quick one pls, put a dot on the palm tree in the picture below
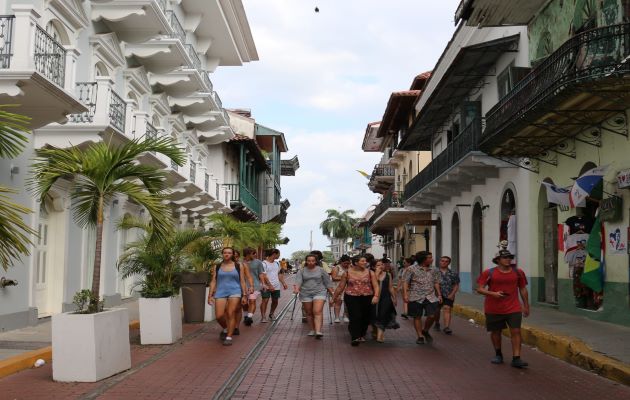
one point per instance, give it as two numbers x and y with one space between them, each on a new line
230 230
157 262
101 172
263 236
338 225
15 234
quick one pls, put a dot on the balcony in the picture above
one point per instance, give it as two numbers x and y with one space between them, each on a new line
584 83
33 70
382 177
243 202
134 21
453 171
106 117
391 212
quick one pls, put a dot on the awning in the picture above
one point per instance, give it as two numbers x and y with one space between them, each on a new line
371 143
465 74
497 12
288 167
397 111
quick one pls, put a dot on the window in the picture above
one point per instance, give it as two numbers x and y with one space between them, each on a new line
504 82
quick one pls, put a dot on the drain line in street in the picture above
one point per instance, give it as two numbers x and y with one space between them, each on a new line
227 390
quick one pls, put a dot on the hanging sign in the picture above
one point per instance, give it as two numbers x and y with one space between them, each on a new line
623 178
611 209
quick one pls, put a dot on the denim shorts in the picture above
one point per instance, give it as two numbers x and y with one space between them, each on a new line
309 299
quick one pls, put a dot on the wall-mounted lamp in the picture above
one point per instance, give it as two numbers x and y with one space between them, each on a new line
4 282
14 170
485 207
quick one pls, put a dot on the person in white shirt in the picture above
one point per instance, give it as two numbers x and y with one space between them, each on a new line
275 282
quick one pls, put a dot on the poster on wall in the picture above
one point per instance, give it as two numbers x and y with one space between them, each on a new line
617 240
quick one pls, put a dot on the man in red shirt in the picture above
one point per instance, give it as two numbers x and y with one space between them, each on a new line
502 286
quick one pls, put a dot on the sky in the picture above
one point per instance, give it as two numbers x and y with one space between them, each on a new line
321 78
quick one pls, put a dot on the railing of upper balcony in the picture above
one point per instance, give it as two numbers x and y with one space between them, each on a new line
49 57
178 29
193 172
6 40
207 81
174 166
86 93
151 132
196 61
241 194
117 111
217 99
391 198
466 142
383 170
206 183
162 4
590 55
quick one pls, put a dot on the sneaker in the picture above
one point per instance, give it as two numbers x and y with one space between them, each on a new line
271 317
420 340
222 335
427 337
227 341
236 332
355 342
361 339
319 335
346 320
263 320
447 331
248 321
497 360
311 333
518 363
337 320
304 320
404 316
436 327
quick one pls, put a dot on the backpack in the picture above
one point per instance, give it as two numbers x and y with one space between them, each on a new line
236 265
491 270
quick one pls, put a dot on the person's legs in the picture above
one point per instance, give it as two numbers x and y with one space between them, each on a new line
337 309
417 324
318 315
447 316
436 318
220 306
352 306
495 337
263 305
233 304
274 305
238 316
307 306
366 312
515 333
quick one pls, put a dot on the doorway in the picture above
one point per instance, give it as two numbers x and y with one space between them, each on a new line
477 243
438 239
455 242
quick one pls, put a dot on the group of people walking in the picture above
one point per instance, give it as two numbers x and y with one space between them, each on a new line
368 289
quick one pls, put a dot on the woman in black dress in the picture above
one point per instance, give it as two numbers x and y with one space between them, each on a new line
384 312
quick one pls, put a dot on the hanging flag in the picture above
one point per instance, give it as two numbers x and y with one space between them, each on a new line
585 184
593 275
365 174
557 195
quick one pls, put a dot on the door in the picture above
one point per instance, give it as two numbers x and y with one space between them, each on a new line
550 254
455 243
477 243
41 273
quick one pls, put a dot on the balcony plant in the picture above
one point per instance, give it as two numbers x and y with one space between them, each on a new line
15 234
98 174
158 264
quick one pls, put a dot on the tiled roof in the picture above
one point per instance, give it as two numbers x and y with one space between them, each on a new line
398 108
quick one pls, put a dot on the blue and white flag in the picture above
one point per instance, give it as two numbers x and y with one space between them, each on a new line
585 184
557 195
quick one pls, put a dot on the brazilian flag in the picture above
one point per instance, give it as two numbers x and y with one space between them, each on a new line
593 275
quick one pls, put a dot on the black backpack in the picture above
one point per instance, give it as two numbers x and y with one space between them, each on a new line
236 265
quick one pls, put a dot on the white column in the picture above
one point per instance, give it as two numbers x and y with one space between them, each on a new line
24 29
141 119
72 54
104 86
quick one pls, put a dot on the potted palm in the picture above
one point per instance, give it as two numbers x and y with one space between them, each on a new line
158 265
98 174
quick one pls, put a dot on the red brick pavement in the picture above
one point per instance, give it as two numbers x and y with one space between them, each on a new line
295 366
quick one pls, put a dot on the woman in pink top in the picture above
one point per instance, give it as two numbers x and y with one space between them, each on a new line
360 290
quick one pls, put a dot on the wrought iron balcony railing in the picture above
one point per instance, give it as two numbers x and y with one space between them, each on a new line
192 53
193 171
86 93
117 111
162 5
49 57
174 166
586 57
206 183
391 199
217 99
6 40
206 81
383 170
151 132
466 142
178 29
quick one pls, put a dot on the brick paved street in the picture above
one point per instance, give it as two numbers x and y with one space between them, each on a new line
294 366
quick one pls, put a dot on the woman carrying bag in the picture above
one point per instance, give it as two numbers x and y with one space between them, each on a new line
384 312
227 293
312 283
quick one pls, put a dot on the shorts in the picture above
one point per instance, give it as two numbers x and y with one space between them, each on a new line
232 296
447 302
309 299
416 309
496 322
274 294
254 295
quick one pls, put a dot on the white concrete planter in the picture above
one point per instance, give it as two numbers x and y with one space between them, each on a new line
160 320
90 347
209 311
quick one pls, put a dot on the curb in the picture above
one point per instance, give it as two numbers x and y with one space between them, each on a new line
566 348
26 360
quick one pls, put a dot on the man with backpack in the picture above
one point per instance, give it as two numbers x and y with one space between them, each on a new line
502 286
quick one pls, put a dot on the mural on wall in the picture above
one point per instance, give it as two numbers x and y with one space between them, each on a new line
562 19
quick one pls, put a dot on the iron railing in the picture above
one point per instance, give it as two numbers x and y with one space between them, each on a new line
206 81
49 57
206 183
391 199
151 132
239 193
162 4
383 170
193 171
178 29
6 40
586 57
217 99
467 141
174 166
117 111
86 93
192 53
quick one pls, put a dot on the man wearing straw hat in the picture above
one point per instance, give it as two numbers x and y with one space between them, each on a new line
502 286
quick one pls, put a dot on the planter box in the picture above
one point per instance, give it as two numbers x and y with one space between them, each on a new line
209 311
160 320
90 347
193 290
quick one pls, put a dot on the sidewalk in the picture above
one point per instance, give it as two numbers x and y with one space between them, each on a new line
592 345
20 341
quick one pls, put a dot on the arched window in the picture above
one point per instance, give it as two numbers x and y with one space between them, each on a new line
56 29
100 69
